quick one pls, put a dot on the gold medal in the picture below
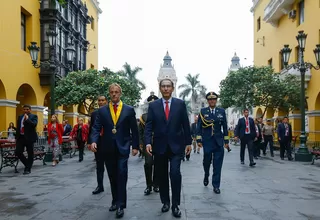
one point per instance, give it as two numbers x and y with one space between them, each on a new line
114 131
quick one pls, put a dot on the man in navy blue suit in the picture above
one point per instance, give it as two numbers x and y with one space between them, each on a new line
168 128
26 137
100 159
246 131
285 137
116 122
212 134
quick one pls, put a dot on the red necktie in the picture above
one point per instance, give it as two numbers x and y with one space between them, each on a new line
247 125
22 128
115 108
101 132
167 110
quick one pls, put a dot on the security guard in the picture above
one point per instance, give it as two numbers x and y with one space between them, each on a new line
149 160
212 120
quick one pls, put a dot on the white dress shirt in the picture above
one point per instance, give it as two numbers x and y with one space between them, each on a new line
164 103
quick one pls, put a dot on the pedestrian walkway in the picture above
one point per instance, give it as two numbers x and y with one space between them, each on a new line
273 190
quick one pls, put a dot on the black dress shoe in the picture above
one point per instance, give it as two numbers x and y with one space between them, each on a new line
176 211
112 208
98 190
205 181
165 208
147 191
26 172
216 190
242 162
156 189
119 213
252 164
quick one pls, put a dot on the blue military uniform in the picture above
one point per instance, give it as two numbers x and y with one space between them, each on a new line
212 132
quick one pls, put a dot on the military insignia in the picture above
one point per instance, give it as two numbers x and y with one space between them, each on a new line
206 116
220 116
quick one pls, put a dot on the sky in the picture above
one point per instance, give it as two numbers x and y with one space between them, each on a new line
201 37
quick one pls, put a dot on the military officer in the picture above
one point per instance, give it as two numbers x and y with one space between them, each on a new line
212 135
149 160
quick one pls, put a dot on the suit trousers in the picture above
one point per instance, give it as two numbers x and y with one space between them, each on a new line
268 139
149 169
256 148
101 161
285 146
80 144
117 168
22 142
162 165
246 141
216 155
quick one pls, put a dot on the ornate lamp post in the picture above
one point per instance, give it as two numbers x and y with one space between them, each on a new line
53 63
303 153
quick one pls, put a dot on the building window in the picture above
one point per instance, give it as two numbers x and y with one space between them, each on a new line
259 24
92 23
92 66
23 31
281 66
301 12
270 62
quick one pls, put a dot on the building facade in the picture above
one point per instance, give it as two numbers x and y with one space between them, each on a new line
277 23
23 22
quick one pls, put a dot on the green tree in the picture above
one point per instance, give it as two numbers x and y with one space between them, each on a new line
84 87
259 86
131 74
192 88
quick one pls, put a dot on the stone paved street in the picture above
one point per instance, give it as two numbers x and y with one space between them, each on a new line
273 190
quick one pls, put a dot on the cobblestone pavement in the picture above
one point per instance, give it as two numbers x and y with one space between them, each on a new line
273 190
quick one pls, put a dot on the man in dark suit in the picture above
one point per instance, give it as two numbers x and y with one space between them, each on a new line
66 128
285 138
257 141
100 162
212 135
116 122
149 167
168 129
26 136
194 135
247 133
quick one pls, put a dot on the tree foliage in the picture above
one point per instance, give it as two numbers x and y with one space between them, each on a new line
131 74
259 86
192 88
82 88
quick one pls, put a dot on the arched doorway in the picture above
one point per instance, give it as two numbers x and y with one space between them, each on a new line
270 113
3 113
259 113
26 96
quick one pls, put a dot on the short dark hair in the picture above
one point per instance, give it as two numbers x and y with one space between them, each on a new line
285 117
102 96
27 106
244 110
164 80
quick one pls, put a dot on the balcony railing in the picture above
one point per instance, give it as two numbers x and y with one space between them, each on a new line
276 9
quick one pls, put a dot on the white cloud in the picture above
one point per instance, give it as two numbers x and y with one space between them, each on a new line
201 37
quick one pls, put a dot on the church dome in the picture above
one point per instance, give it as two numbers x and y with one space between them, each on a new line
235 58
167 57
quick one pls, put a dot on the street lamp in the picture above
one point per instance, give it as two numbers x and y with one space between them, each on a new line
303 153
53 63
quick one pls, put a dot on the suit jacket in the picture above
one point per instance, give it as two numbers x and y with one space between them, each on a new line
241 128
219 131
92 123
174 132
67 131
141 126
30 125
126 125
260 133
282 132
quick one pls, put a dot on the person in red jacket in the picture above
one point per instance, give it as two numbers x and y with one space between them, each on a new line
80 133
55 131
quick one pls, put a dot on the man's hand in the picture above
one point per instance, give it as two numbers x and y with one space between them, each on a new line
70 137
141 147
134 152
226 146
93 147
26 116
188 150
200 145
149 150
236 138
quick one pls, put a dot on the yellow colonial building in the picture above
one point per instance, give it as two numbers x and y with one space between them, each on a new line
277 23
23 21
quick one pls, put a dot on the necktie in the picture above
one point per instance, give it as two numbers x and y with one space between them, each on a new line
247 125
287 130
167 110
115 108
22 128
257 131
101 132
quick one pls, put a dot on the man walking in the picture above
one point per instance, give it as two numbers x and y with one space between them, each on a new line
116 122
149 166
100 162
246 131
267 132
194 135
210 136
26 136
285 138
168 129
